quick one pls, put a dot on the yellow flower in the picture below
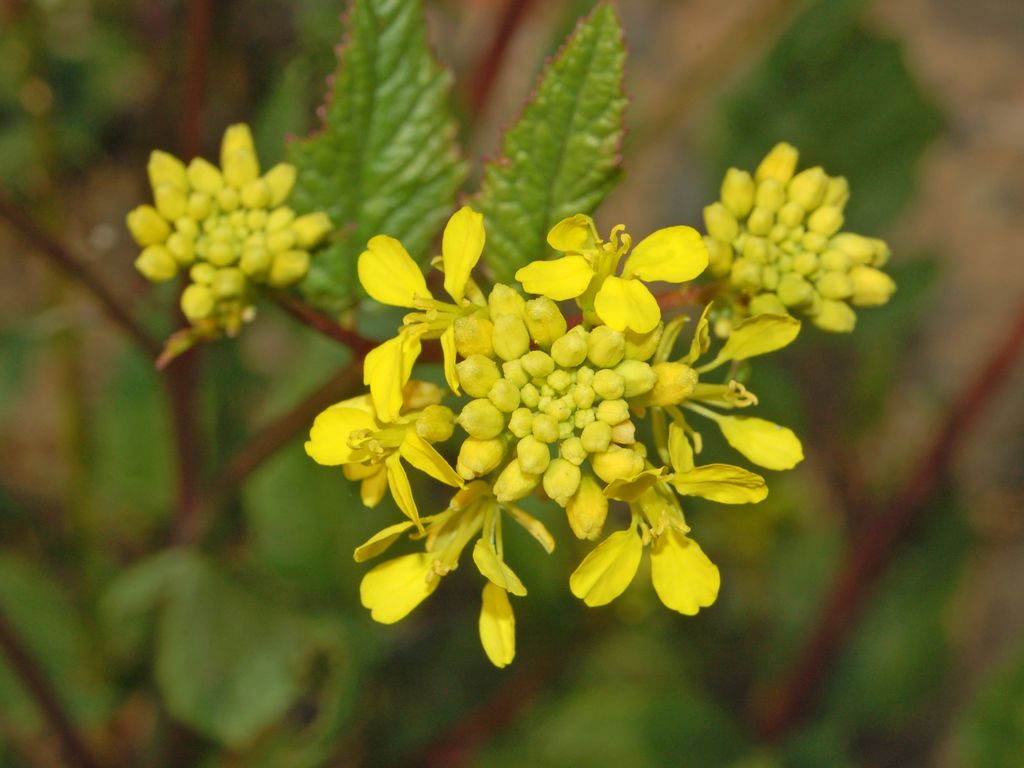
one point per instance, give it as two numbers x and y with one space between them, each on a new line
684 579
390 276
227 226
372 449
587 271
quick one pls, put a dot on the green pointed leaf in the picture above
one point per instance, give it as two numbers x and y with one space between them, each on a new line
385 161
563 155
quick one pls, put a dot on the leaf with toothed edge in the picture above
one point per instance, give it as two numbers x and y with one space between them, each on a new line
385 161
563 155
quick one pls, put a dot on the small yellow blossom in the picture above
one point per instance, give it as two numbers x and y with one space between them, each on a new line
587 271
228 227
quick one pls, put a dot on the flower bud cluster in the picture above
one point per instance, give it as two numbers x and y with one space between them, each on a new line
551 405
777 236
227 227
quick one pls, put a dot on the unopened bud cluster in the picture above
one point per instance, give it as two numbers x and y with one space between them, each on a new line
227 227
777 236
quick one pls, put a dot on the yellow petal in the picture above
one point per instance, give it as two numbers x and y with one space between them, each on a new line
679 448
672 254
495 570
401 491
559 279
380 541
461 246
386 369
448 349
389 274
605 573
497 626
626 303
425 458
761 441
373 487
575 233
328 437
701 338
723 483
392 589
631 488
533 526
757 335
684 578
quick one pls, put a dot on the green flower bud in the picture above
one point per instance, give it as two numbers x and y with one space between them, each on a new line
156 264
720 223
778 164
255 194
228 283
187 227
477 374
624 433
871 287
605 346
240 167
760 222
837 192
227 199
171 202
613 411
584 374
203 273
280 180
882 252
834 285
533 455
288 268
197 302
504 300
587 509
561 480
641 346
835 316
279 219
834 260
520 423
790 215
808 188
756 249
778 234
510 339
164 168
571 349
737 192
813 241
182 248
529 395
767 304
617 463
857 247
805 262
545 427
770 278
596 437
505 395
583 395
537 363
794 291
514 372
311 229
513 483
746 275
435 423
583 417
770 195
559 409
544 321
608 384
559 380
638 377
281 240
255 262
478 457
473 334
572 450
825 221
719 256
147 226
204 176
674 382
481 419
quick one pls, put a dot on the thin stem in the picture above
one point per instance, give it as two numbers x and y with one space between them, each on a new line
39 687
489 66
75 268
791 697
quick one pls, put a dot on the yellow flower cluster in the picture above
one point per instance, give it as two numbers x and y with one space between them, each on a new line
551 409
228 227
776 236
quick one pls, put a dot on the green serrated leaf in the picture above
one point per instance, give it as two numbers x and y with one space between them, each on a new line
385 161
562 156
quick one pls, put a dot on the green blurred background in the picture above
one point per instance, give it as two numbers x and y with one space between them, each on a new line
253 649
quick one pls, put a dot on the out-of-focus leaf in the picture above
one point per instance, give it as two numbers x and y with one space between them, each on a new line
562 155
385 161
15 351
51 629
844 97
228 662
990 733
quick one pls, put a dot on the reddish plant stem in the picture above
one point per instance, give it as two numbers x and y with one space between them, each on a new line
270 438
489 66
75 269
789 699
197 40
38 685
